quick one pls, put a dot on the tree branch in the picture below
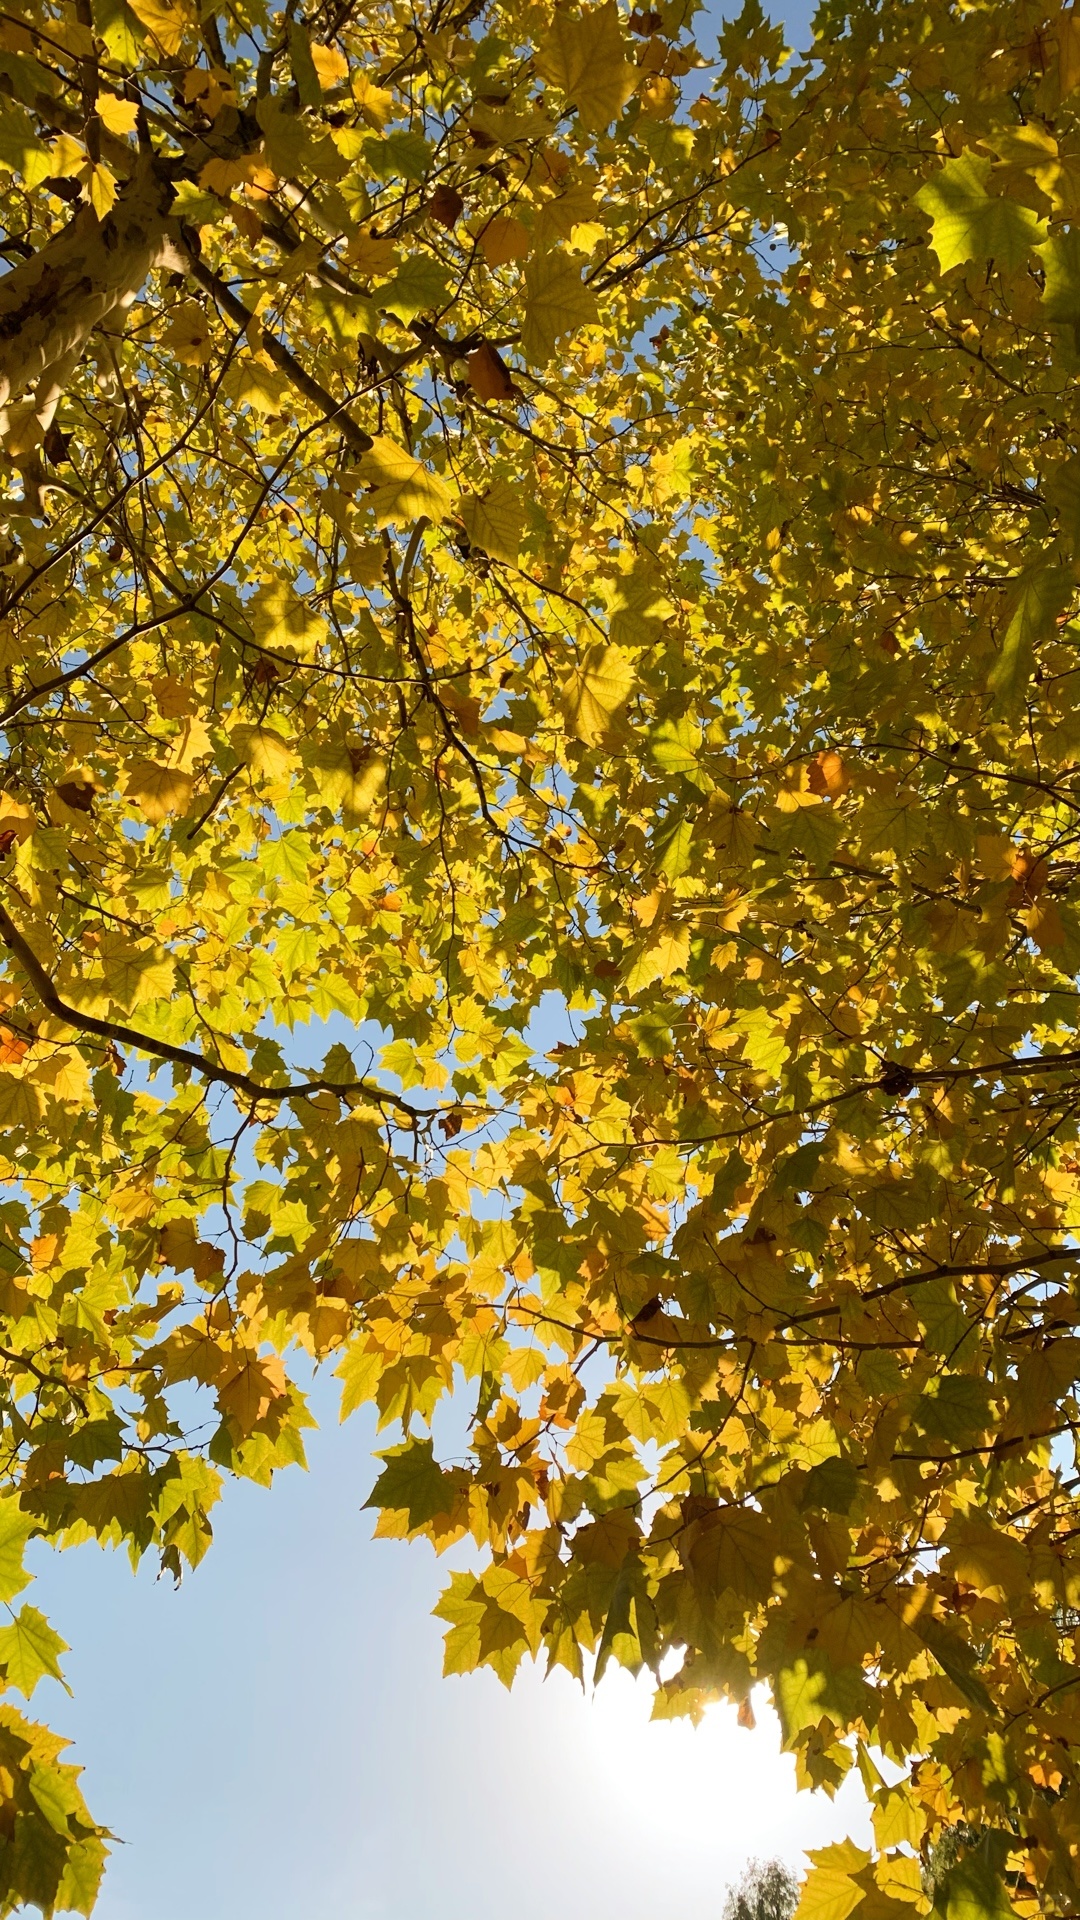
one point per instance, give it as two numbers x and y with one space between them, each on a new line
333 411
254 1090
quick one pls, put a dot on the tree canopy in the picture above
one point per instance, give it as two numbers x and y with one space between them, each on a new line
511 508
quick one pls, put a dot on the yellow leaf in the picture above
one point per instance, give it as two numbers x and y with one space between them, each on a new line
556 303
134 974
585 55
375 103
188 335
20 1101
372 254
119 116
504 239
264 750
596 690
404 489
666 953
347 779
330 65
167 20
157 790
249 1387
829 1892
101 190
67 1076
253 382
495 521
1068 27
283 623
900 1877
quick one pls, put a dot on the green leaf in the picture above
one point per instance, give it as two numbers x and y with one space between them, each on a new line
412 1482
675 746
15 1530
400 153
972 224
956 1659
811 1688
30 1650
1031 606
831 1485
419 286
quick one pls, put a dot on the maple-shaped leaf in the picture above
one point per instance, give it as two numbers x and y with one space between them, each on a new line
665 952
1031 604
596 690
284 623
972 224
403 488
495 521
557 302
30 1650
169 21
158 790
504 238
412 1482
830 1892
584 55
15 1530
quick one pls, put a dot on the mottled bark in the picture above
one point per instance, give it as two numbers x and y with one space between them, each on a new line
50 305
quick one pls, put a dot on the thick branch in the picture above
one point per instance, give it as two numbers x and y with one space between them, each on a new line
113 1031
51 303
333 411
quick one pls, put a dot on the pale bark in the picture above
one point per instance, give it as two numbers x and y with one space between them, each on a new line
83 277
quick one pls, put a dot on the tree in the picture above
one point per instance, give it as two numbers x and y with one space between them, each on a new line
767 1890
500 504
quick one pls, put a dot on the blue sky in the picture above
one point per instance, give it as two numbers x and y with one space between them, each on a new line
274 1739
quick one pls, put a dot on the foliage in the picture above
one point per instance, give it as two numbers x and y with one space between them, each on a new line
767 1890
500 505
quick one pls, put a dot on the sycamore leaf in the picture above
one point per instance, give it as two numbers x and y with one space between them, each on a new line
829 1891
957 1659
134 974
1060 256
972 1890
254 382
330 65
20 1101
503 239
584 55
1031 604
411 1482
30 1650
596 690
169 21
972 224
667 952
15 1530
557 302
495 521
158 791
812 1688
284 623
264 750
403 488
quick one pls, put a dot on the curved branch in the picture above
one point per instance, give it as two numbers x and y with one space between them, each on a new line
253 1090
333 411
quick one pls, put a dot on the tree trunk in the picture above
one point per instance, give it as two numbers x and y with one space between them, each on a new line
51 304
